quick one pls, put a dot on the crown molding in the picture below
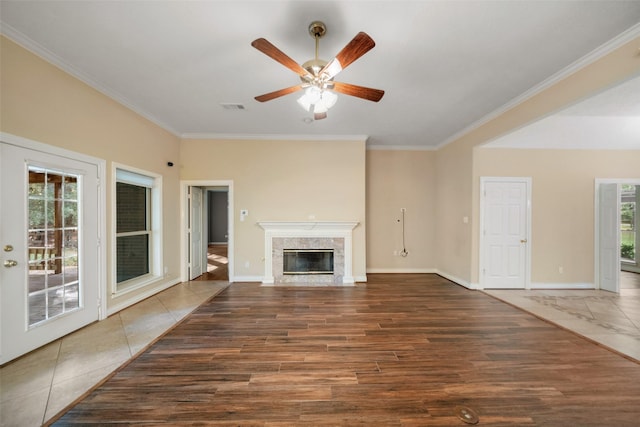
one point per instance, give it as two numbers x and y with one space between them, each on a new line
44 53
275 137
599 52
400 148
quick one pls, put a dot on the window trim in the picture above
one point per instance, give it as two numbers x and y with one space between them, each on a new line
143 178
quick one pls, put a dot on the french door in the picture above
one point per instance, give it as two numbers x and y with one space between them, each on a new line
49 280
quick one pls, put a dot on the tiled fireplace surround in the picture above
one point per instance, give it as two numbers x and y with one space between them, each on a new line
336 235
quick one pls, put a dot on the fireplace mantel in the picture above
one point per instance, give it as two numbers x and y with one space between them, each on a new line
308 229
303 226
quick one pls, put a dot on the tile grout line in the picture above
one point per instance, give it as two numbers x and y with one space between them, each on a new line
53 376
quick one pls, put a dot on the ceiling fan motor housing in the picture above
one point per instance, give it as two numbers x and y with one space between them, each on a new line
314 66
317 29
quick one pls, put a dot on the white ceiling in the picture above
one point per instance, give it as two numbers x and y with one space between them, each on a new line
445 65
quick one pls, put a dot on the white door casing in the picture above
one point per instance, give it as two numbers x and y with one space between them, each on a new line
608 235
70 294
184 236
505 236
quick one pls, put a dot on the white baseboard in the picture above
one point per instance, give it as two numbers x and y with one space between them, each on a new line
630 267
401 270
562 286
248 279
360 279
447 276
458 280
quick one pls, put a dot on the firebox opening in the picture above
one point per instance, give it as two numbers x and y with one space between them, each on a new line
308 261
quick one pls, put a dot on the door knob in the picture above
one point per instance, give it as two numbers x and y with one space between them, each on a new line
523 241
10 263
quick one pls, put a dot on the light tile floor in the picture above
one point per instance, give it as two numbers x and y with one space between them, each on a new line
37 386
610 319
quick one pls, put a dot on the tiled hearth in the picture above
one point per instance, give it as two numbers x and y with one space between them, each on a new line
336 235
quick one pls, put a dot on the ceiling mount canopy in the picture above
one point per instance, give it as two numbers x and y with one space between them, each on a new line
317 74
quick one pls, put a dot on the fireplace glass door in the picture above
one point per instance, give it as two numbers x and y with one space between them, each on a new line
308 261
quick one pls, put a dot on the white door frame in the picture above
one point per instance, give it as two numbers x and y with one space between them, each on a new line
596 235
184 220
481 256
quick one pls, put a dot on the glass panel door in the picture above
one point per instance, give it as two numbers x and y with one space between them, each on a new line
50 248
628 224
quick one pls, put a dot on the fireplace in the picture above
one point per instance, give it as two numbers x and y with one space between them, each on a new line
307 261
306 239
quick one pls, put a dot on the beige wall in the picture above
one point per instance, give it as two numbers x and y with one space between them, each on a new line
395 180
43 103
562 205
283 181
453 205
458 246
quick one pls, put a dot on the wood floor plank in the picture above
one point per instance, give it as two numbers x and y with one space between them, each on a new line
402 350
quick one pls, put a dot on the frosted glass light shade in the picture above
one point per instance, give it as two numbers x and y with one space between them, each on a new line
316 100
329 98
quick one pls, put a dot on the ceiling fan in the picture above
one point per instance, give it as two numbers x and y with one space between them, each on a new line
317 75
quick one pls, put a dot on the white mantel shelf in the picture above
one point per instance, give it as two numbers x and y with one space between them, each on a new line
308 225
331 229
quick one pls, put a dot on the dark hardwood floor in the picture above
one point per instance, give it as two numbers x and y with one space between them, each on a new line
217 264
402 350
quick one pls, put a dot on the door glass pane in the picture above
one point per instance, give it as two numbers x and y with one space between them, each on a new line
70 213
53 286
628 212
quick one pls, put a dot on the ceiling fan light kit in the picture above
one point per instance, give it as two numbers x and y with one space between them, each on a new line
317 75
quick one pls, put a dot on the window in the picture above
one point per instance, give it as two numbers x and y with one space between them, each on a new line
137 227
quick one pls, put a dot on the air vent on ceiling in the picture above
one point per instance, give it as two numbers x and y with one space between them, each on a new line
228 106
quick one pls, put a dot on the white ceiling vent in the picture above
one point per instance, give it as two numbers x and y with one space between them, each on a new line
229 106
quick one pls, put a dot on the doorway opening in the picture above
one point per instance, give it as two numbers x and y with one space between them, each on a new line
629 222
207 238
616 231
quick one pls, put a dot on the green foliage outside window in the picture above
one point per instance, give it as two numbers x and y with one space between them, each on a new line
627 251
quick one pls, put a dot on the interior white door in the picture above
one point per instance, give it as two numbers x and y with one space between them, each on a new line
609 237
196 233
49 283
504 234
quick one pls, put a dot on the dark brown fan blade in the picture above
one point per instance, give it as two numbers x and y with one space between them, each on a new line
278 93
357 47
319 116
367 93
264 46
